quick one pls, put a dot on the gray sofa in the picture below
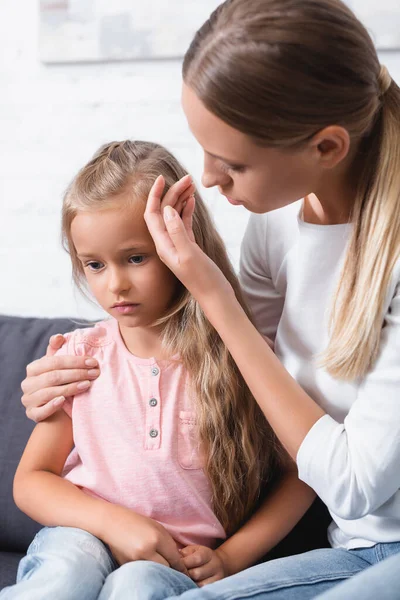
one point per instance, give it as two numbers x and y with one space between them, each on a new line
21 341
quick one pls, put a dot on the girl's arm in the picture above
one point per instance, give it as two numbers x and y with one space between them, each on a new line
41 492
272 522
276 517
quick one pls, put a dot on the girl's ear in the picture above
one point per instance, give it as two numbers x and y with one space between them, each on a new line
330 146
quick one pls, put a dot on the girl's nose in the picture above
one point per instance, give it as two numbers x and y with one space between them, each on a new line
118 282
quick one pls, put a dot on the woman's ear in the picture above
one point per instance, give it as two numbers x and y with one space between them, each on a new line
330 146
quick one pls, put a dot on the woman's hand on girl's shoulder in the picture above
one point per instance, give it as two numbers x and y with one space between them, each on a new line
170 224
51 379
203 564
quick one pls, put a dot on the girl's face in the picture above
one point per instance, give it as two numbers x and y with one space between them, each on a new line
261 179
121 264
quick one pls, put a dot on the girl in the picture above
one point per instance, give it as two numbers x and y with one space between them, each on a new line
301 124
170 449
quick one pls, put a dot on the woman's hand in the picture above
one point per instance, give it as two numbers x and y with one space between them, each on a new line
203 564
131 536
171 229
51 379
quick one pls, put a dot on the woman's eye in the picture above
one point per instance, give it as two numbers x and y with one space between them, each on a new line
232 168
94 266
136 260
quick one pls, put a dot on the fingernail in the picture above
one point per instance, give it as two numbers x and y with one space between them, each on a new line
169 213
59 401
83 385
91 362
93 372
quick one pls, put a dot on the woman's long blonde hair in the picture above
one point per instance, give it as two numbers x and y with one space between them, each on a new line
281 70
241 451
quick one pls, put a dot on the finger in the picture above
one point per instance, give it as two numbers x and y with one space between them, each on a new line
177 193
188 550
176 230
154 199
209 580
196 559
43 412
169 551
201 573
177 190
48 394
182 201
187 217
155 222
56 379
55 363
55 343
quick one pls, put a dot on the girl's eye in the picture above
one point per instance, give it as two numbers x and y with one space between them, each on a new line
94 265
136 260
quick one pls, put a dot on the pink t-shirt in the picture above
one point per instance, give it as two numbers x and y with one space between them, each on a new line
135 438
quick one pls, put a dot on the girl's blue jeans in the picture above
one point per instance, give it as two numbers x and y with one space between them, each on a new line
64 563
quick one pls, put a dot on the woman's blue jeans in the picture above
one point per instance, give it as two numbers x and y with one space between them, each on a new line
70 564
325 574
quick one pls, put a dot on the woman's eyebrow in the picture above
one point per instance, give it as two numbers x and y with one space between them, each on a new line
226 160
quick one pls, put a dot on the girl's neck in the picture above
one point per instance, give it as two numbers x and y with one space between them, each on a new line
143 342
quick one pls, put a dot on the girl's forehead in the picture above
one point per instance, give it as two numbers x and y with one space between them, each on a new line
111 228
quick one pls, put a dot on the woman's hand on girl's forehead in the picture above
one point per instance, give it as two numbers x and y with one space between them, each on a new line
175 244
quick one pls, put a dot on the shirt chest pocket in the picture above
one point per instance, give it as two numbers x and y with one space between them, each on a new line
190 455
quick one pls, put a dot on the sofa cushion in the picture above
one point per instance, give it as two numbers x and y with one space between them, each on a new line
8 568
21 341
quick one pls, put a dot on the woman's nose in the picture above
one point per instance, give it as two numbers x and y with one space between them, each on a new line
213 176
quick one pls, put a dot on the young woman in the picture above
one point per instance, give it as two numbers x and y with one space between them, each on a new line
301 124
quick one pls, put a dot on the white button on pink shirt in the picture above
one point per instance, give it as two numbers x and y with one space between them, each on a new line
135 438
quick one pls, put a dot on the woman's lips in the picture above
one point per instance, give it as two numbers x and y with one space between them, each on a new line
232 201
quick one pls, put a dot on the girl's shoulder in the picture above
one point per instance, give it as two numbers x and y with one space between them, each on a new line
88 339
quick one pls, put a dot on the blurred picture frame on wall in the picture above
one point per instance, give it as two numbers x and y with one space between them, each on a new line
109 30
382 19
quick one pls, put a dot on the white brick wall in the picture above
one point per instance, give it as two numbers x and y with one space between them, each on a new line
51 121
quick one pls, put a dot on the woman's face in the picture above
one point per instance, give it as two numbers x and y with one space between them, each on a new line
261 179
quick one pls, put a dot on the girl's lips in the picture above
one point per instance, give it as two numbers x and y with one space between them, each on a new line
125 309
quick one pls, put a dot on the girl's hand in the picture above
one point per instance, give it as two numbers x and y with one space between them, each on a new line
171 230
203 564
51 379
131 537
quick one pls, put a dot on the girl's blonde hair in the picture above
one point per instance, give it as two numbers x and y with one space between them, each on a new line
280 71
240 449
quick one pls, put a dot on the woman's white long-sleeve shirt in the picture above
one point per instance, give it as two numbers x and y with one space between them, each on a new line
351 456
